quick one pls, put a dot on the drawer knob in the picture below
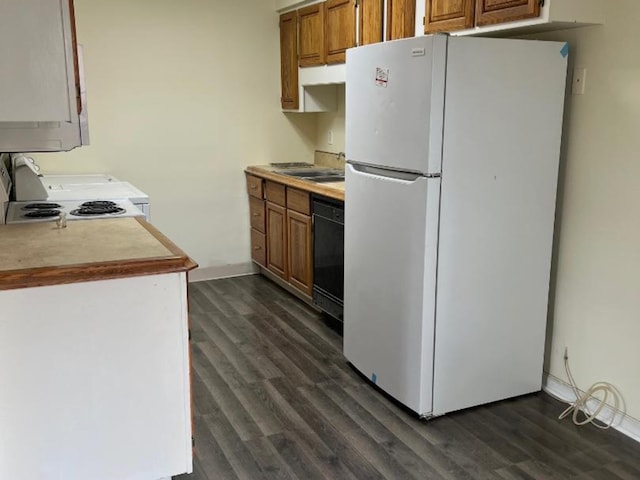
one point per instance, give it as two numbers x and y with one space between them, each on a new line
253 187
257 248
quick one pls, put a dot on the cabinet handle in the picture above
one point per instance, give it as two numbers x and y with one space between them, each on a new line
256 214
257 248
253 187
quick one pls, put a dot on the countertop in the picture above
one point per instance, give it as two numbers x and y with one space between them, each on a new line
333 190
39 253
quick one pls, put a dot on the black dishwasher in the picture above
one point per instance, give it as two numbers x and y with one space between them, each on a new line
328 255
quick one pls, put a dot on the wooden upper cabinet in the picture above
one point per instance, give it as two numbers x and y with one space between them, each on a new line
448 15
311 40
371 26
340 29
401 18
289 60
499 11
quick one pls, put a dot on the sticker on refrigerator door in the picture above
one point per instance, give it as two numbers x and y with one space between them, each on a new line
417 52
382 76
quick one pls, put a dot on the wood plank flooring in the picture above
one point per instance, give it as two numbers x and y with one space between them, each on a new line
275 399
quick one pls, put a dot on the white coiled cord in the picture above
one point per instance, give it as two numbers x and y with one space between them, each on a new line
580 403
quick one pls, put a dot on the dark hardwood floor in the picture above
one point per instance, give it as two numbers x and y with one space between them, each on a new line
274 398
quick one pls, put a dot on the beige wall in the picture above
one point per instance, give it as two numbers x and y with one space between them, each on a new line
183 95
333 121
596 302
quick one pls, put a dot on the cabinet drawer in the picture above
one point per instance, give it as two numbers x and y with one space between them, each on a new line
275 193
298 200
258 247
256 210
254 186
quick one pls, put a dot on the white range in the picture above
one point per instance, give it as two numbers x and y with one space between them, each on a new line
31 185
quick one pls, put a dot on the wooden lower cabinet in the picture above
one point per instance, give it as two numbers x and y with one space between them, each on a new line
258 247
299 233
282 231
277 240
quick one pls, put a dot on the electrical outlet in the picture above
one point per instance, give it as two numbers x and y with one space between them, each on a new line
579 80
330 137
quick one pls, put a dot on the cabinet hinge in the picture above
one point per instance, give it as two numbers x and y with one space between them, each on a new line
424 20
193 442
189 334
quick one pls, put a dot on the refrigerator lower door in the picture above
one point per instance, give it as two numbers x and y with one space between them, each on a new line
390 264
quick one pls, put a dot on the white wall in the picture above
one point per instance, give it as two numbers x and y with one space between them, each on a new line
596 301
182 96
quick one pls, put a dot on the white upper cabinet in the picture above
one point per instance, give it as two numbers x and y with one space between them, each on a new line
37 60
41 88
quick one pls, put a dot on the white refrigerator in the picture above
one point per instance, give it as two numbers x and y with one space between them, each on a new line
453 149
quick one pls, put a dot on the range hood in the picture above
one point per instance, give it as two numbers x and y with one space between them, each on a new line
322 75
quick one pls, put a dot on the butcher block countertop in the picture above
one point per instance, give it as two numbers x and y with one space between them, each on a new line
333 190
40 253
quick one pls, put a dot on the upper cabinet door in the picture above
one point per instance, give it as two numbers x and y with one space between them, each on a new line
448 15
371 26
498 11
311 44
341 29
37 83
289 60
401 17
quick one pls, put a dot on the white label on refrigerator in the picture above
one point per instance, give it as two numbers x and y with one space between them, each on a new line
382 76
417 52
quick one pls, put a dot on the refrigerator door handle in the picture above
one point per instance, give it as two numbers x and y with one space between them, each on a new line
389 173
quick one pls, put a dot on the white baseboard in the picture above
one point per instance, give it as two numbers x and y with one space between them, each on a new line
223 271
561 390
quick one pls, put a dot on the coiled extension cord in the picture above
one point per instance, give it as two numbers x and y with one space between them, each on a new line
580 403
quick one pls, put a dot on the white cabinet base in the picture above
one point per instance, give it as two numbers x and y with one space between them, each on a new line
94 380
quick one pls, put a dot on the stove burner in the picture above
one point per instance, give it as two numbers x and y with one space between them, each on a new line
99 203
91 211
41 206
42 213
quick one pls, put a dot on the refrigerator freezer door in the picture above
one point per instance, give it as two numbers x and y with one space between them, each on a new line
390 255
395 102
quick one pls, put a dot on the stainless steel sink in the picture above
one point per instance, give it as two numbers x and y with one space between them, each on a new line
331 178
320 175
